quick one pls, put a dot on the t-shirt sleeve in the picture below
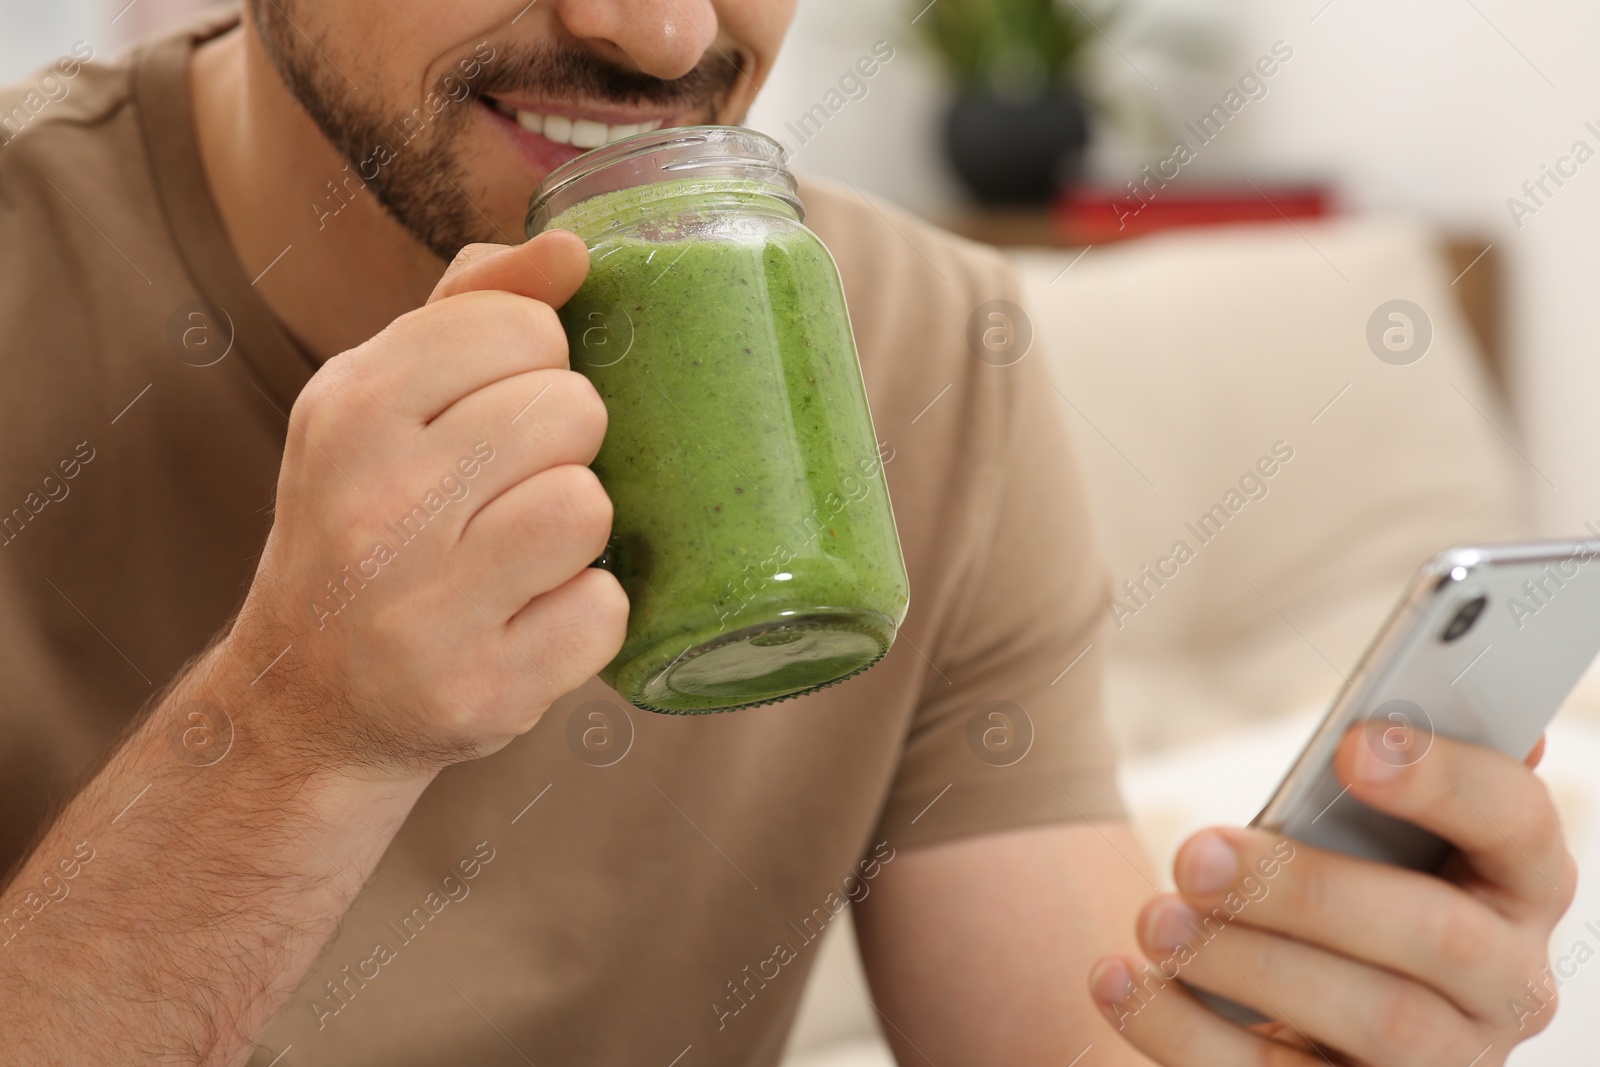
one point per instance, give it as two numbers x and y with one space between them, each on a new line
1008 730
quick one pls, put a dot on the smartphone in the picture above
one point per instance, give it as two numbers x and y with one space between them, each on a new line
1484 647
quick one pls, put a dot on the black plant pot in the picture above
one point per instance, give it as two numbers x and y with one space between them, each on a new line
1016 151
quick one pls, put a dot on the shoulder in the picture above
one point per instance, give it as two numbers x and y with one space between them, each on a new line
65 135
918 295
955 394
77 221
923 305
71 93
894 256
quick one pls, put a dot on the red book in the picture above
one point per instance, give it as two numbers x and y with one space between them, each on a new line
1100 214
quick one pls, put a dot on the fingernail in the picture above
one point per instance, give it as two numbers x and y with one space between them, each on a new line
1170 926
1110 982
1210 865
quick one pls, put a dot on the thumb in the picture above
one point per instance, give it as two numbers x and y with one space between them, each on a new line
549 268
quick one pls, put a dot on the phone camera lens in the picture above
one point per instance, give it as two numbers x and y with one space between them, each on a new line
1463 620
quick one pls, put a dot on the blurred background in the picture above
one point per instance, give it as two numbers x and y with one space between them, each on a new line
1214 207
1441 109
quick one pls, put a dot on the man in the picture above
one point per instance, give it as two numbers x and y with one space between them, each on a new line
234 353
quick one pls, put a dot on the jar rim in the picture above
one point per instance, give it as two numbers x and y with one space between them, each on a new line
662 155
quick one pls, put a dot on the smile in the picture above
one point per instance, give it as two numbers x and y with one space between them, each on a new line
565 130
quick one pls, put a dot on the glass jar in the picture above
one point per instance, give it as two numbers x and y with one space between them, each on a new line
753 531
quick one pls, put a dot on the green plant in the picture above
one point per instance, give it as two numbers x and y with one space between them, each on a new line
1012 47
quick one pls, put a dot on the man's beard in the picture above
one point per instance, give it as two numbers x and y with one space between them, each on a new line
424 185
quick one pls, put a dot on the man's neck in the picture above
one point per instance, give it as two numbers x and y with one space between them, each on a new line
331 264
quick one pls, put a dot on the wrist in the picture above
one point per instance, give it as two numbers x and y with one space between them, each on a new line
225 763
281 725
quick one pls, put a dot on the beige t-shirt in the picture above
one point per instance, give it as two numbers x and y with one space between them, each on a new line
539 905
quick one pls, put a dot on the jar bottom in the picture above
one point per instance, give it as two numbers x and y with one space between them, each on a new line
773 660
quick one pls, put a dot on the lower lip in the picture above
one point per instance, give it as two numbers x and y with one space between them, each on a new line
544 154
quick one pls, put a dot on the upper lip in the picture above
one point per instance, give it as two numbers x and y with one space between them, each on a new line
613 116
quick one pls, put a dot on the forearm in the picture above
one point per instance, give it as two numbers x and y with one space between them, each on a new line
211 876
978 950
175 904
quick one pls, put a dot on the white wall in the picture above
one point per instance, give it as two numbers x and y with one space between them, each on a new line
1434 106
1447 107
34 33
884 142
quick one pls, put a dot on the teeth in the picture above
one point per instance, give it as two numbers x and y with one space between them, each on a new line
558 128
580 133
587 134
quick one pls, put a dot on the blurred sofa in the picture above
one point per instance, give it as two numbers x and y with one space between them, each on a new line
1189 365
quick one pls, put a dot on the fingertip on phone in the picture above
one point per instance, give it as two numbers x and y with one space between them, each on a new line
1360 757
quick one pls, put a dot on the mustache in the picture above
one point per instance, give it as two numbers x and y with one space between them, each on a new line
562 72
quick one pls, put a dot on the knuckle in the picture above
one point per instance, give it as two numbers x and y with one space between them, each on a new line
498 317
1456 931
589 629
315 394
464 258
1533 995
1541 1021
536 322
545 322
613 602
316 428
1541 991
1409 1021
610 601
1537 823
1567 881
337 395
578 505
321 396
1305 889
471 253
417 327
583 409
606 613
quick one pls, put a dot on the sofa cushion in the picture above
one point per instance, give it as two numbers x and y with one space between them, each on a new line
1245 444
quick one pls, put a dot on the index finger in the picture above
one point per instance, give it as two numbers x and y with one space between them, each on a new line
549 268
1491 806
490 318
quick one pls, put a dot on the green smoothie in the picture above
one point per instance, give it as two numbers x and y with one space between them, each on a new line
753 532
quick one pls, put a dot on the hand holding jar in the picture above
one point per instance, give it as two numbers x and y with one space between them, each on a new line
753 531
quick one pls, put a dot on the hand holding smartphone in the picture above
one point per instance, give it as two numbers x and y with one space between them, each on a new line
1484 647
